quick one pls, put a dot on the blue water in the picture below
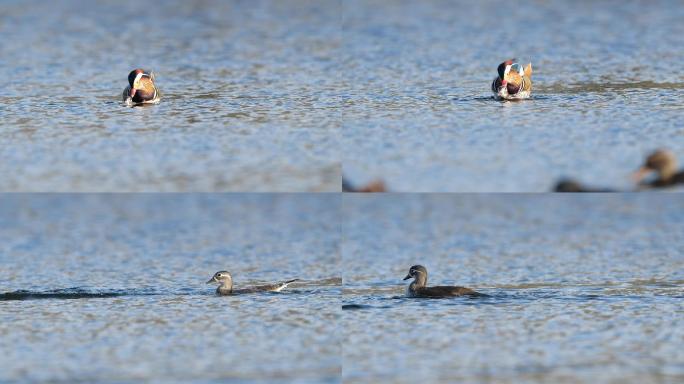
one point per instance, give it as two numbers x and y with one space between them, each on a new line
249 96
607 91
582 289
111 288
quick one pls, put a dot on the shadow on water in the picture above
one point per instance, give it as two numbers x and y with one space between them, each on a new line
547 92
72 293
599 87
67 293
497 299
304 287
473 98
487 99
526 293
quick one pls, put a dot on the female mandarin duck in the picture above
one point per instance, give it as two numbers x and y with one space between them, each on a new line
664 164
141 88
513 82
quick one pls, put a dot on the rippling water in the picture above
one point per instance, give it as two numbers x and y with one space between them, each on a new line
607 79
249 96
100 288
582 288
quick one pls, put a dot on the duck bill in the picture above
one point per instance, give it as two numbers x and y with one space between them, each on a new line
640 174
212 280
407 277
131 93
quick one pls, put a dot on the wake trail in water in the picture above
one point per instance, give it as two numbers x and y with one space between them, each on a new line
67 293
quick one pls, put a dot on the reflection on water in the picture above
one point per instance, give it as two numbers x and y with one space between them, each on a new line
581 288
248 96
419 113
112 288
607 87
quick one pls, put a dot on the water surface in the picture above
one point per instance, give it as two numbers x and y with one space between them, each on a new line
111 288
583 289
248 96
608 86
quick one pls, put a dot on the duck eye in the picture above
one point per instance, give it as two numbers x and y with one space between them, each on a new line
218 275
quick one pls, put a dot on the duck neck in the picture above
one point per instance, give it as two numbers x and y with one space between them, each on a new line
226 287
420 281
667 172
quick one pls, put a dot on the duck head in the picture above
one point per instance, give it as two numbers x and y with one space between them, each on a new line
661 161
222 277
141 83
503 70
419 273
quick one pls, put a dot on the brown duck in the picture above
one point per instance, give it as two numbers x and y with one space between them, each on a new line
141 88
513 81
419 288
664 164
225 281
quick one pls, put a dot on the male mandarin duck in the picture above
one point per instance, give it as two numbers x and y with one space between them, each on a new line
141 88
513 82
664 164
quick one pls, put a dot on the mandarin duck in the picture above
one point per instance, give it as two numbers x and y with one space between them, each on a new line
373 187
141 88
225 287
419 288
513 82
664 164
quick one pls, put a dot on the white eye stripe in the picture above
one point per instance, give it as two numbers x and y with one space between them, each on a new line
137 77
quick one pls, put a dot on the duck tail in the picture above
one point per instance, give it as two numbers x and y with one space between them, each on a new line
528 70
290 281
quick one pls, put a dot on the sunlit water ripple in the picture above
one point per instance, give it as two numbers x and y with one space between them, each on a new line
112 288
419 114
249 96
582 289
